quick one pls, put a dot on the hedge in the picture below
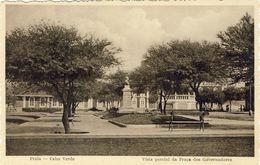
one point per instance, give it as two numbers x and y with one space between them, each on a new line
49 110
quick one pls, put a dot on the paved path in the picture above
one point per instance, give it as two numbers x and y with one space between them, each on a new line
87 122
218 121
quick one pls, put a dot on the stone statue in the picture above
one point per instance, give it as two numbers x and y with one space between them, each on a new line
127 80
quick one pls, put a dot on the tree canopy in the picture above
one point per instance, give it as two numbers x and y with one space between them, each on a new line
58 57
238 45
110 89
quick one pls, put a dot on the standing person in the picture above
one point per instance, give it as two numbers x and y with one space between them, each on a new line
227 108
202 115
171 121
244 108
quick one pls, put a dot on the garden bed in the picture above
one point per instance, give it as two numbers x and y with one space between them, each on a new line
31 116
143 118
49 110
34 129
16 121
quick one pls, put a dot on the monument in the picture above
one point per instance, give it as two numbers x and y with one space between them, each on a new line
133 102
127 96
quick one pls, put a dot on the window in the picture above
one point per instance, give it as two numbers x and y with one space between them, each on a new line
43 102
31 101
60 104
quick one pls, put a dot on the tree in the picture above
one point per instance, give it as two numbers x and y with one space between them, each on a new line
57 57
157 72
104 93
82 91
233 93
211 97
12 89
161 65
219 98
197 62
110 88
118 82
17 88
142 79
238 44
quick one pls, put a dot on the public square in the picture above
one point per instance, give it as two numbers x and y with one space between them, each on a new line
126 80
92 135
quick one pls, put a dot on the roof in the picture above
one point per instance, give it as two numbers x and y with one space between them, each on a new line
36 94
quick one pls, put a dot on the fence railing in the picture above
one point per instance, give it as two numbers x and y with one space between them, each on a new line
181 97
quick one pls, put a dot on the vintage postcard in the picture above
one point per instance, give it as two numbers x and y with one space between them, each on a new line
137 82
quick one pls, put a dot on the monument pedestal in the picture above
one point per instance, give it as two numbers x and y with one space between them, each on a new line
127 100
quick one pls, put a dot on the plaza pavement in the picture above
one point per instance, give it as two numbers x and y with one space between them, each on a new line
96 127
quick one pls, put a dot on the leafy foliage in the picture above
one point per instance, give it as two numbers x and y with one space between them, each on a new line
57 59
232 93
110 89
238 44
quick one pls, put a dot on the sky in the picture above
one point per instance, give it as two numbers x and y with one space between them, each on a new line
132 28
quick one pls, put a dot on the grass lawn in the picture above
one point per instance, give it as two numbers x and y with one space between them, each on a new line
28 115
231 127
11 124
16 120
220 115
172 146
232 116
142 118
33 129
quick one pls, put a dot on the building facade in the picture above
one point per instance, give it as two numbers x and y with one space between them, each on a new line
130 100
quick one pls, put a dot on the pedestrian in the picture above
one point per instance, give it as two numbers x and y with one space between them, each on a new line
250 112
227 108
202 115
171 121
244 108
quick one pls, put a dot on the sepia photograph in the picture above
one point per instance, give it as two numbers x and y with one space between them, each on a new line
130 80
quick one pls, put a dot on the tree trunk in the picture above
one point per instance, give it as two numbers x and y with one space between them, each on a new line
164 107
197 106
65 119
107 106
118 103
74 106
198 99
230 105
160 101
70 111
221 107
73 109
200 106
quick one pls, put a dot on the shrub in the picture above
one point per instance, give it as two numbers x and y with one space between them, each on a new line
94 109
113 110
160 119
49 110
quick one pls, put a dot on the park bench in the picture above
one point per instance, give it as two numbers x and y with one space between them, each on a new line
184 122
178 123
